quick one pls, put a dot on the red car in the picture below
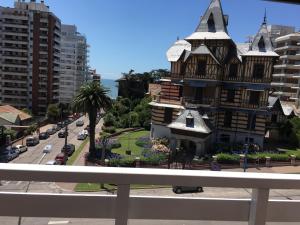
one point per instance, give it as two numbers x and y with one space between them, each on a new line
62 157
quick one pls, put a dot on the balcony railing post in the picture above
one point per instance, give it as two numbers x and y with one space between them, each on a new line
122 204
259 206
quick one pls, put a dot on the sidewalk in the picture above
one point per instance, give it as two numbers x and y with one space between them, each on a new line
282 169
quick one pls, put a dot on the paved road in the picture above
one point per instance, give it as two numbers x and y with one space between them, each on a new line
34 154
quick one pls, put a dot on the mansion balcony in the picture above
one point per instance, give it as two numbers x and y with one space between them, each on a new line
192 102
122 206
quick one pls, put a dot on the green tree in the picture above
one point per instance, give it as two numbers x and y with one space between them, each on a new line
109 120
28 111
92 98
31 129
11 133
53 112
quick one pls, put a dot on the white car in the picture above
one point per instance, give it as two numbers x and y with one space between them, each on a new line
81 136
20 148
47 149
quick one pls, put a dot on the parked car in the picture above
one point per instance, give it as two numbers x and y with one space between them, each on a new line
62 134
20 148
62 157
51 131
44 136
56 128
53 162
32 141
69 149
61 124
47 149
181 189
8 154
81 136
79 123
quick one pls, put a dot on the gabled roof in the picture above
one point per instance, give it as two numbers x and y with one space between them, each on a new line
176 50
208 36
213 16
204 50
199 124
10 117
10 109
262 44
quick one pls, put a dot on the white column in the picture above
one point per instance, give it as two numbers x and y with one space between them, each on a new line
259 206
122 204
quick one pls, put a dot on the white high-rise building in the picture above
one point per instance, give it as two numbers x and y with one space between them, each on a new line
73 63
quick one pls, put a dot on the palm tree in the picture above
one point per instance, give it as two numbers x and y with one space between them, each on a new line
90 99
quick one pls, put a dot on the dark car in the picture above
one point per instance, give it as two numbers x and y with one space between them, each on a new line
182 189
51 131
62 134
43 136
8 154
61 124
62 157
69 149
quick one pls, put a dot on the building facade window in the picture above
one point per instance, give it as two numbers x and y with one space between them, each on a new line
201 67
230 96
251 121
225 138
168 117
258 71
254 97
233 70
228 119
211 24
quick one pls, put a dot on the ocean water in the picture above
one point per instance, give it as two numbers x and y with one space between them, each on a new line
112 86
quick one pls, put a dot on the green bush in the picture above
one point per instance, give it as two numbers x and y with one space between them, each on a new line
110 130
228 158
141 143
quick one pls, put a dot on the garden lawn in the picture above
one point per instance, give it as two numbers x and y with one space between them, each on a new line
91 187
129 139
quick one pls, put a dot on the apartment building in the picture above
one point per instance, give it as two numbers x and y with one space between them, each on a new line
286 77
29 56
218 91
276 31
73 63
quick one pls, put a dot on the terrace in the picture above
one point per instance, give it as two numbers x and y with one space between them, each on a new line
123 206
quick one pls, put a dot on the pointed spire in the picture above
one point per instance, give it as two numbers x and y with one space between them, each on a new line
265 17
262 41
213 20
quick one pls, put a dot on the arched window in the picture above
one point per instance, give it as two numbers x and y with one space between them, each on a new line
262 45
211 23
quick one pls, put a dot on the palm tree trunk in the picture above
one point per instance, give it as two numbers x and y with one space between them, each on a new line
92 119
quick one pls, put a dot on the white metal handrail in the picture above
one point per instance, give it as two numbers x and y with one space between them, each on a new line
124 206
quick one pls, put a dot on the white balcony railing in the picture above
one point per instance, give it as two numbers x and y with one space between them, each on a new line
124 206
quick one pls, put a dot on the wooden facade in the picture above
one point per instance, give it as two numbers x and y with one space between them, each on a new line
230 87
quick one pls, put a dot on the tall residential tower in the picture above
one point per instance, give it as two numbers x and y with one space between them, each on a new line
74 55
29 56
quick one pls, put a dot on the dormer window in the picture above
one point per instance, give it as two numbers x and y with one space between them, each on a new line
190 120
211 24
262 45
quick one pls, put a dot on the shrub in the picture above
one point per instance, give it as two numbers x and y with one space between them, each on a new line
110 130
153 158
228 158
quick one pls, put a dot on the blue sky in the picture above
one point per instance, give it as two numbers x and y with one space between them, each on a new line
135 34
